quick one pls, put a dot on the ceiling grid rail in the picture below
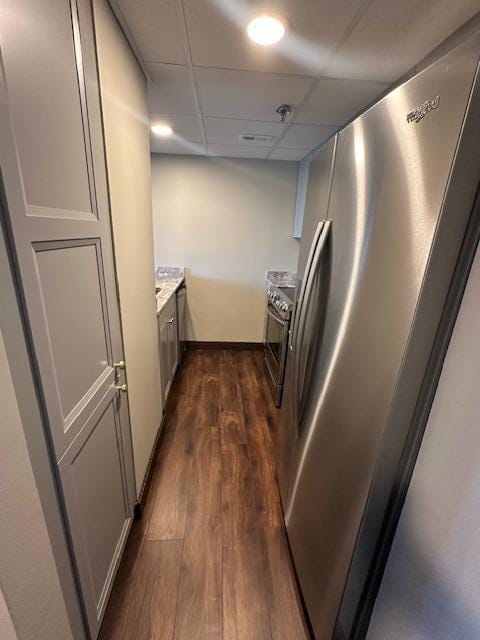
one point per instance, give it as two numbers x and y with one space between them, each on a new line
359 14
182 20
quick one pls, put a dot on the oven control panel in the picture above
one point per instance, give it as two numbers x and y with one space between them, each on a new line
280 300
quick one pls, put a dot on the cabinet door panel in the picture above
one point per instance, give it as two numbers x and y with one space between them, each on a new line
55 189
172 345
165 370
46 92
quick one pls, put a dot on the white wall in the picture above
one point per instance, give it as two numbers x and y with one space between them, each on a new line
124 104
431 586
227 221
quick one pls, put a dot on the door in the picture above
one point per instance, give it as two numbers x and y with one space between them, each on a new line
317 198
173 337
385 291
181 320
164 353
53 172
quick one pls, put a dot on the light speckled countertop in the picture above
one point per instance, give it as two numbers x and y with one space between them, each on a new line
168 280
281 279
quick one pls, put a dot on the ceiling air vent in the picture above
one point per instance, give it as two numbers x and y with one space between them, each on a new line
255 138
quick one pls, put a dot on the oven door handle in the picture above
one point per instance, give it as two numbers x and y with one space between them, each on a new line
277 318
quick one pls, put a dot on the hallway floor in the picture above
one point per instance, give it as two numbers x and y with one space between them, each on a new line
209 558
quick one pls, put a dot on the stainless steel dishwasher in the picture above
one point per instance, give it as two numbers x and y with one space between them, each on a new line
181 320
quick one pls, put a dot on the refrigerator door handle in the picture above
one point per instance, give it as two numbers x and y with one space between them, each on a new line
299 338
301 295
297 316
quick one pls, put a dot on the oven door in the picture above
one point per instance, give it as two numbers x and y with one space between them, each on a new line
276 340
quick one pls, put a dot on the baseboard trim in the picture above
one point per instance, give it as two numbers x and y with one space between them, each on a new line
194 344
139 505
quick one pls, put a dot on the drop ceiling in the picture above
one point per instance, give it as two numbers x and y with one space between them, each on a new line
210 83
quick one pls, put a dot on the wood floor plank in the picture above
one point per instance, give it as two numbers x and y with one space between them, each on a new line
205 488
286 616
232 429
169 492
199 607
251 402
187 380
142 605
230 399
245 602
241 517
267 497
235 464
206 412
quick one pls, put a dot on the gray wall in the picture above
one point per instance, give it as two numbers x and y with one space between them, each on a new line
126 121
431 586
227 221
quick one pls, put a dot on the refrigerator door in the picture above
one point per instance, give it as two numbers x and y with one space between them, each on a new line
390 179
316 200
316 204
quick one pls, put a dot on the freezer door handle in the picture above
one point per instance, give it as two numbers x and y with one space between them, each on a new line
299 342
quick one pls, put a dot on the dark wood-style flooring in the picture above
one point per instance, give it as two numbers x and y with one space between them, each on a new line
209 559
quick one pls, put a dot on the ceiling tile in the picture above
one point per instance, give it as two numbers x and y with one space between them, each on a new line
247 95
170 90
392 37
184 127
227 131
288 154
173 146
217 32
237 151
154 27
306 136
335 101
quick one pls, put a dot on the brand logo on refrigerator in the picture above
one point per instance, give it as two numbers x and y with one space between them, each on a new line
417 114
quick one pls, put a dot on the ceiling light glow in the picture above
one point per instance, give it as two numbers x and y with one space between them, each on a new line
266 30
162 130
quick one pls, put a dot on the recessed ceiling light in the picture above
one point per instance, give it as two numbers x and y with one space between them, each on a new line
266 30
162 130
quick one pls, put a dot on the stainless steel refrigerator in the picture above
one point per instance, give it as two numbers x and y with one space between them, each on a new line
390 198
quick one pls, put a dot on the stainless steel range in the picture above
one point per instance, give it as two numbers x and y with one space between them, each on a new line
277 326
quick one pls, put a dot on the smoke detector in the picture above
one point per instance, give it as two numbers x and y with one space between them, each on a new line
255 138
284 110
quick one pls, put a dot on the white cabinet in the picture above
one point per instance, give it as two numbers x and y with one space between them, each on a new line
168 345
302 186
